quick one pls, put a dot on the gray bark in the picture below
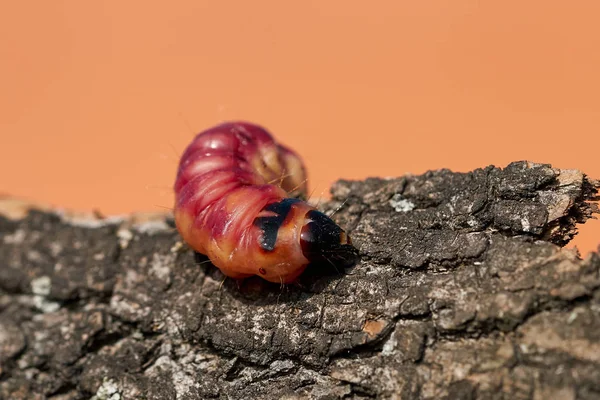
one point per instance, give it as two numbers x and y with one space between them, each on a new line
463 292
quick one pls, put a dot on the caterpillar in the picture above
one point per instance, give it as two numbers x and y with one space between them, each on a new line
228 208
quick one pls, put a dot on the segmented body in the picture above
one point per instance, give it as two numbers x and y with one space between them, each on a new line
233 204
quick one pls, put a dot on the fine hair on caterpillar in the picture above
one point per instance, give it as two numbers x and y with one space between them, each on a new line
238 201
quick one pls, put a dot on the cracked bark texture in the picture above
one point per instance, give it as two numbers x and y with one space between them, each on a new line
463 292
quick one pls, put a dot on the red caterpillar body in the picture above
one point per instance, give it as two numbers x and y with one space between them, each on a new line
227 208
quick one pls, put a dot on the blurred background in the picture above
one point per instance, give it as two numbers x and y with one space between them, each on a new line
99 99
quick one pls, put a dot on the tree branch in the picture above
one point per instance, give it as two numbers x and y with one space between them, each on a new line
462 292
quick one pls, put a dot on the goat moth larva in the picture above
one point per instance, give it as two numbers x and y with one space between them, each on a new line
235 203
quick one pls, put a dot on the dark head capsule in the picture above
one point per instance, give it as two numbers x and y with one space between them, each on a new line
322 240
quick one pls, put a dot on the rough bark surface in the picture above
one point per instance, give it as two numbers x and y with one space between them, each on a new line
463 292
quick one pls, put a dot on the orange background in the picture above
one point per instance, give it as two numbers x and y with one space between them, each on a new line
97 99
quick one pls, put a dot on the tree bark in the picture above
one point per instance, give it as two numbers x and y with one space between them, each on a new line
463 291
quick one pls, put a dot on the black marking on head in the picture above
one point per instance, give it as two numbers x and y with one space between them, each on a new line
270 225
322 240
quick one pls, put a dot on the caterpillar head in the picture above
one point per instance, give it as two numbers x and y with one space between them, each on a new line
322 240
